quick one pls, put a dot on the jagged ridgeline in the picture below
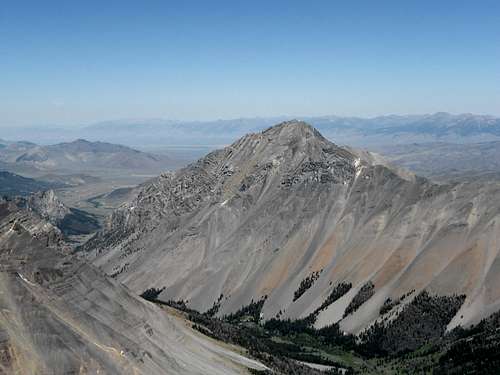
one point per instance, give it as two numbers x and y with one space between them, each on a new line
323 231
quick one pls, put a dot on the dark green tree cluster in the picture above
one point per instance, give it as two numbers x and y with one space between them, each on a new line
249 312
363 295
337 292
151 294
422 320
475 350
305 284
389 304
215 307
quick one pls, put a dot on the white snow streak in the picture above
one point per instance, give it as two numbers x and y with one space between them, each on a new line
26 280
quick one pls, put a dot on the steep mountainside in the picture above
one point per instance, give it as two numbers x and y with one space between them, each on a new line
317 229
59 315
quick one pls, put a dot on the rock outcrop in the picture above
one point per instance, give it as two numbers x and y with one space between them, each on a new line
49 207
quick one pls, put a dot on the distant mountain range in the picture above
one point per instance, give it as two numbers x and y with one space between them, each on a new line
185 141
440 146
448 161
355 131
78 156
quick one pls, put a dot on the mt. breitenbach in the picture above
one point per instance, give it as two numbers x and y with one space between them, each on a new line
288 216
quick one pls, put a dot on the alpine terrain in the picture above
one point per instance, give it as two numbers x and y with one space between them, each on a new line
310 230
60 315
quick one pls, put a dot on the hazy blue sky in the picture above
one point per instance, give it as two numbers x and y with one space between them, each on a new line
72 62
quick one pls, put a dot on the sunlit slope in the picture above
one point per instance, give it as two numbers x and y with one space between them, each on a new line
261 216
59 315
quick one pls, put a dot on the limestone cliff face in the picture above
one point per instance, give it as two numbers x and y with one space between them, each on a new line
264 214
47 205
70 221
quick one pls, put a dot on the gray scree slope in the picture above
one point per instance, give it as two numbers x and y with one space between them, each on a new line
258 217
59 315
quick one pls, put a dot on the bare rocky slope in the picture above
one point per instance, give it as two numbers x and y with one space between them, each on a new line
60 315
314 227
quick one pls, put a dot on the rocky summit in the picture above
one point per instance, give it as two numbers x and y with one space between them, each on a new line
313 229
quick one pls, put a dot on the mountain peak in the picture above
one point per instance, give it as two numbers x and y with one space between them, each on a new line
293 128
81 140
292 142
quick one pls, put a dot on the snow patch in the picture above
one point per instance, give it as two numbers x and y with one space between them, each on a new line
25 279
358 166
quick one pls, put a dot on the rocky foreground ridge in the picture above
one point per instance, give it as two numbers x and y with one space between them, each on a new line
61 315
